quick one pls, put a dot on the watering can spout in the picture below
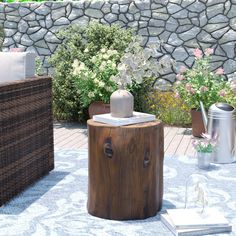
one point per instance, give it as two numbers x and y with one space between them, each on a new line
204 115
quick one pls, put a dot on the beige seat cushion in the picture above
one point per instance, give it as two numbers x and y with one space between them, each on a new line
16 66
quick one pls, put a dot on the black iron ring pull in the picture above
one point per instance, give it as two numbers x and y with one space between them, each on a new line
146 159
107 148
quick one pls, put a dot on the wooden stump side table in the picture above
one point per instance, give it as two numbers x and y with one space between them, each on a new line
125 167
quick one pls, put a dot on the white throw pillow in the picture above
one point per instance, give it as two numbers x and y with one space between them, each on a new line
16 65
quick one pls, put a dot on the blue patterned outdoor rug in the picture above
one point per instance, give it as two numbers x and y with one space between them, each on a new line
56 205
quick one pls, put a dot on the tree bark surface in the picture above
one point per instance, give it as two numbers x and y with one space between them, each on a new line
125 170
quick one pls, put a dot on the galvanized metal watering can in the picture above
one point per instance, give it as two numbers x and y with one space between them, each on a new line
221 125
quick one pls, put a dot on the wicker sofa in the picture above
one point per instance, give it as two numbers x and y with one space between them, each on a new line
26 134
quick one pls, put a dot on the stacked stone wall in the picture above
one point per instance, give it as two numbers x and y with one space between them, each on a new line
181 26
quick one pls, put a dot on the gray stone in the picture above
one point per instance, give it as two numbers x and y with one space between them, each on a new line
8 42
192 14
137 16
26 41
156 23
174 40
191 43
214 2
229 49
205 37
219 51
219 33
233 23
52 47
181 14
173 8
43 51
153 41
40 17
171 24
134 24
232 11
143 32
216 58
229 66
214 10
129 16
38 35
215 65
120 23
12 18
168 48
58 5
17 37
10 25
195 21
58 13
146 13
160 16
190 34
41 44
154 31
157 6
133 9
196 6
62 21
106 8
170 78
22 26
144 40
110 17
229 36
123 18
184 21
94 13
183 28
48 22
202 19
23 11
96 4
124 8
55 29
143 4
218 19
32 30
213 27
78 4
190 61
75 13
115 8
187 3
164 36
31 16
68 9
180 54
83 21
42 10
227 7
33 23
143 18
9 32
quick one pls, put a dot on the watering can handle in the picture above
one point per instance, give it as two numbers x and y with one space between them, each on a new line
204 115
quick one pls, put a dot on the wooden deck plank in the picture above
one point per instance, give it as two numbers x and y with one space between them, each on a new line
175 142
74 136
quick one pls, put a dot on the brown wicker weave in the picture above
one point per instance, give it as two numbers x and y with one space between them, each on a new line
26 134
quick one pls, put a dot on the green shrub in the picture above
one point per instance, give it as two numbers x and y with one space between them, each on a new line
1 37
80 43
168 108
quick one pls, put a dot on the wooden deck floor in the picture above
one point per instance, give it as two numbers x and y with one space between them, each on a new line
74 136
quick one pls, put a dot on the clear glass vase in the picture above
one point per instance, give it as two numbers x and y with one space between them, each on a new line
204 160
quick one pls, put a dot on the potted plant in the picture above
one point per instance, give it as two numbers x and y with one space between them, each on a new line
137 65
204 149
93 83
199 83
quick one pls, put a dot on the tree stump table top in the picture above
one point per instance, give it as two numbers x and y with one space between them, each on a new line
125 170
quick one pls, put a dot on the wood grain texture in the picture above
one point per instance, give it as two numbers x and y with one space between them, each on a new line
125 170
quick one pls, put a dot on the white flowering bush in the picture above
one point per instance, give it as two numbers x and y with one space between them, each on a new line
93 83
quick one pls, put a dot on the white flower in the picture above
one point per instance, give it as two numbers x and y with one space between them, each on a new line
96 81
91 94
86 50
103 50
105 56
101 84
